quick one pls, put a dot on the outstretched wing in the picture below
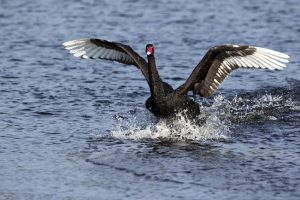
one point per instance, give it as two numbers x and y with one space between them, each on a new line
219 61
103 49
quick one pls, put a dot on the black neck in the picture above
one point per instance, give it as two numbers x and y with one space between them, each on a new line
156 86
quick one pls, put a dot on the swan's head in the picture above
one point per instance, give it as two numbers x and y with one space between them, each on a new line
149 49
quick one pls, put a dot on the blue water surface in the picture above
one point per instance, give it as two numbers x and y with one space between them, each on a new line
78 129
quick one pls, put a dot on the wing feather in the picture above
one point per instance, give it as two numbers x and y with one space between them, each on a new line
220 61
107 50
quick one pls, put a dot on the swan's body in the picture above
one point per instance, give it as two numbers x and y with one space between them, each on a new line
211 71
171 104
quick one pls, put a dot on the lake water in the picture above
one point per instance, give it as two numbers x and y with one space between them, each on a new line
78 129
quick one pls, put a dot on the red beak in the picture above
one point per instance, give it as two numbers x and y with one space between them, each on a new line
149 51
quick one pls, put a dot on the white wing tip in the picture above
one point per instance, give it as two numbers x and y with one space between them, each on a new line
73 42
272 52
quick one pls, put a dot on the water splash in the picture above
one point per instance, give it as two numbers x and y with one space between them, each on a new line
264 107
208 126
181 129
217 117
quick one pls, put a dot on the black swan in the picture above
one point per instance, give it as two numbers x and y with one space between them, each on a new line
211 71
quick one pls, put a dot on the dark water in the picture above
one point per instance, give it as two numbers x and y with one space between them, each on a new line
78 129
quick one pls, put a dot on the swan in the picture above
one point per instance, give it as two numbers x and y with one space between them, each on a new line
211 71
